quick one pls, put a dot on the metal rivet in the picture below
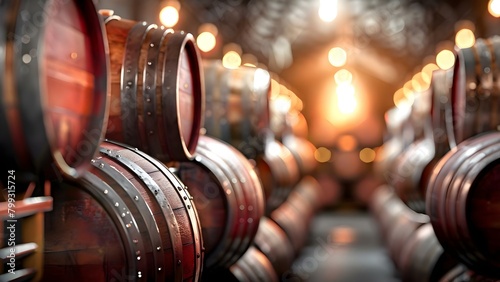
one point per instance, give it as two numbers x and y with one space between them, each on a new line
179 262
135 241
101 165
106 191
136 198
158 248
117 204
149 113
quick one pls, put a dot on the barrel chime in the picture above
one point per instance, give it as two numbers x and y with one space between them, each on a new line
447 174
138 161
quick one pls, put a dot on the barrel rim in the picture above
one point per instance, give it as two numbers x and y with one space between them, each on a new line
177 43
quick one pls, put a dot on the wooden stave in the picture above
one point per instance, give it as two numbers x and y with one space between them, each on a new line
105 166
247 136
43 155
160 92
451 223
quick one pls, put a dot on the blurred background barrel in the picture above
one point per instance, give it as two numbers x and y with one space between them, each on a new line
229 199
461 202
237 106
128 218
157 93
53 87
475 100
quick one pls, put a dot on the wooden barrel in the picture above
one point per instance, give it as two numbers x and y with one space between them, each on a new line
53 86
401 230
128 218
386 208
408 170
157 93
294 217
441 112
303 151
422 257
461 202
252 266
474 92
273 242
229 199
237 106
278 172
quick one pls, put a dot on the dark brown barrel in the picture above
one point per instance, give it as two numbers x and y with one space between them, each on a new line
53 86
229 199
278 172
128 218
273 242
461 202
475 101
157 93
237 106
422 257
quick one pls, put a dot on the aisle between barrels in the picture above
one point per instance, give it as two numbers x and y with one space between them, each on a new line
343 246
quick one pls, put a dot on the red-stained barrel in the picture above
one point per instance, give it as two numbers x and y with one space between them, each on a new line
53 86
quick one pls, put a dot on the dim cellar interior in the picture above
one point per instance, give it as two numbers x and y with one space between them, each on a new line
250 140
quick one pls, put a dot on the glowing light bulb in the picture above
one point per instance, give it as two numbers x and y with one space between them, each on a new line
367 155
231 60
327 10
322 154
465 38
445 59
169 16
337 57
343 76
206 41
494 8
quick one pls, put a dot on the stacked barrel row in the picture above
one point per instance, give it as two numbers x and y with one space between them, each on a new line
441 165
282 159
120 208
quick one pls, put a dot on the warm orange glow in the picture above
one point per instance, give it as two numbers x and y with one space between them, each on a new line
465 38
347 143
494 8
345 97
275 88
445 59
231 60
427 72
337 57
401 99
169 16
249 60
367 155
343 76
206 41
418 83
342 235
322 154
327 10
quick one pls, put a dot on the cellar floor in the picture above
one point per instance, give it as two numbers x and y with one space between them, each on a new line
343 246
